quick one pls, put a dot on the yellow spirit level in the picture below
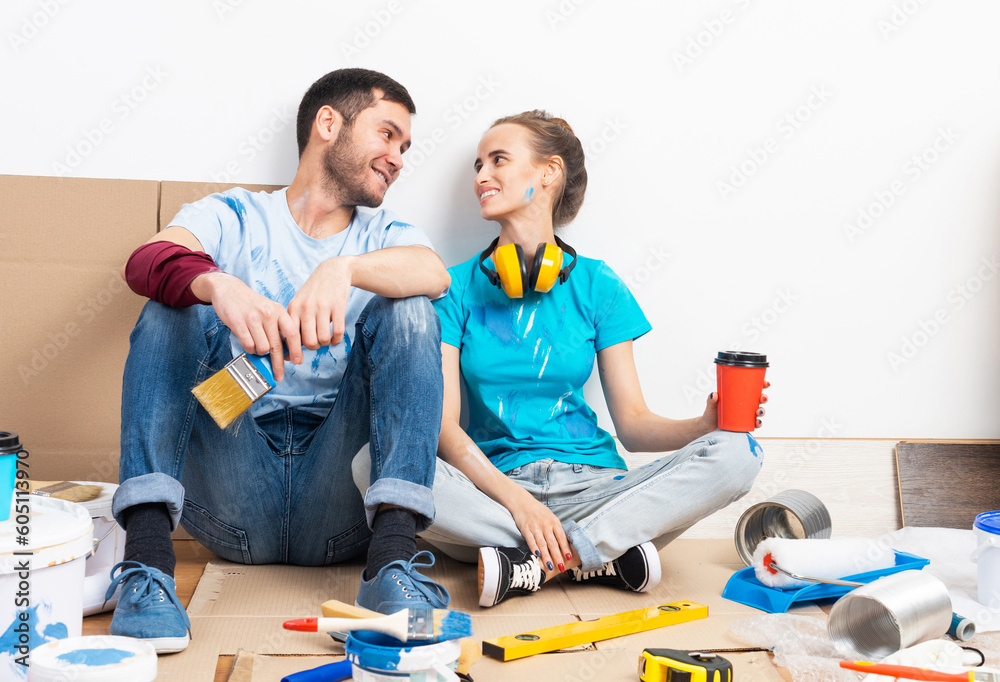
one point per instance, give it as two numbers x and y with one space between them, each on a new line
671 665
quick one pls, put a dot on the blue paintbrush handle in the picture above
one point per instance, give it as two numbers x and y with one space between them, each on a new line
332 672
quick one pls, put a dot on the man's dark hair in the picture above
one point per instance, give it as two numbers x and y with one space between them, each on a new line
349 91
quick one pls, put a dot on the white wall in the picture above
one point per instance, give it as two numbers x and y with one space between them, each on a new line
880 321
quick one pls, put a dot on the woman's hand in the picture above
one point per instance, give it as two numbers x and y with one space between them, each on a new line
543 532
711 415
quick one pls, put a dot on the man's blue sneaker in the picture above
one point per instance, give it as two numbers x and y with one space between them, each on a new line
400 586
148 607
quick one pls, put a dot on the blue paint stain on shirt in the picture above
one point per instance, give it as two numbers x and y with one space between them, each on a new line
323 354
400 224
237 205
96 657
257 256
347 344
286 291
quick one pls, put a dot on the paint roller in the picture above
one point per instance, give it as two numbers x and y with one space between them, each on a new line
790 563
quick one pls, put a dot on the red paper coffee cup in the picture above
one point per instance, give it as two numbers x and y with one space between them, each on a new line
740 381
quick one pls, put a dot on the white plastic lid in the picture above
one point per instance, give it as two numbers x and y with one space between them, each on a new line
58 532
99 658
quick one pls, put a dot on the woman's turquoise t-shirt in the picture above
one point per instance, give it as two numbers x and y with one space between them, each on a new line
524 361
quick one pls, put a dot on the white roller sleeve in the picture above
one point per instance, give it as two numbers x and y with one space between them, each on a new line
834 558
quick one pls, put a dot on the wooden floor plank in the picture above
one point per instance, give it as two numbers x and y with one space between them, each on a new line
945 484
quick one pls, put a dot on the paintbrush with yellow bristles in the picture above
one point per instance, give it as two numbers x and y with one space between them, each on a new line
233 389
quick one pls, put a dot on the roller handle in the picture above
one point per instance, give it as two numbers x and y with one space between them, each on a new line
906 672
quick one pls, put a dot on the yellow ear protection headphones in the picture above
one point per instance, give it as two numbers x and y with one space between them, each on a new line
512 273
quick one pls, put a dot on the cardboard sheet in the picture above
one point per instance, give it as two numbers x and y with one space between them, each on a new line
238 610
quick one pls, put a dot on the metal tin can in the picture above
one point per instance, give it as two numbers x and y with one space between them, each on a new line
793 514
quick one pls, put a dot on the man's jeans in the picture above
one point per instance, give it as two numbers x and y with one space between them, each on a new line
603 511
279 489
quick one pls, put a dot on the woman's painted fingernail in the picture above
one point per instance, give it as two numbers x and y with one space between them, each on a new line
568 556
562 567
538 554
549 564
760 413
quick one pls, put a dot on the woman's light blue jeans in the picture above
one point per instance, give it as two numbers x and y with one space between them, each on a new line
604 511
279 489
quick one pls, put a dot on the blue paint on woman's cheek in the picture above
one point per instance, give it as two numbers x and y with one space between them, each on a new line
96 657
529 195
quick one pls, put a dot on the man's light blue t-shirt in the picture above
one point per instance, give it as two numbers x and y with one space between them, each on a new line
253 236
524 361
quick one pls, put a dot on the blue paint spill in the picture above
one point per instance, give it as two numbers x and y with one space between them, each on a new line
755 447
618 478
400 224
347 344
11 639
96 657
257 257
529 195
325 353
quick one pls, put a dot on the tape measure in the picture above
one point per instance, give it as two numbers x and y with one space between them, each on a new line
671 665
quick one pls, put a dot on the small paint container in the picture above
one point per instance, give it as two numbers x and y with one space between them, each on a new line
987 557
109 539
103 658
380 658
43 551
792 514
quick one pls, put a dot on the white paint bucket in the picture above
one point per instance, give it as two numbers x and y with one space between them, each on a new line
41 581
380 658
987 556
103 658
110 541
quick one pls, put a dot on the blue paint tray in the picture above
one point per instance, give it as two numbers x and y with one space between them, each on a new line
744 588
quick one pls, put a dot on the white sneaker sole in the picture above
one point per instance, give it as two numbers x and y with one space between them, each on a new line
169 645
652 559
489 576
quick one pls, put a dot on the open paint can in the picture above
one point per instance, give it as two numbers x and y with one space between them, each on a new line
101 658
109 539
43 552
380 658
791 514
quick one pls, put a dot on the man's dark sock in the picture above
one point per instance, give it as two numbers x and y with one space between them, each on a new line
147 536
394 538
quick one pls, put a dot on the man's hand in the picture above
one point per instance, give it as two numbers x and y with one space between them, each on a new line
319 307
260 324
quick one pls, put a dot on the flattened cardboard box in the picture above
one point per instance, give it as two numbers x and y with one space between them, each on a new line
238 610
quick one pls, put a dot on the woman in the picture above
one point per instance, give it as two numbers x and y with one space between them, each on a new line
534 485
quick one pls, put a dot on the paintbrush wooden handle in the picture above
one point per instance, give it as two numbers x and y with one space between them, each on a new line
339 609
906 672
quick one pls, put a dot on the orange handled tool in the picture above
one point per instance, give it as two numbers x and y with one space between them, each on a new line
909 673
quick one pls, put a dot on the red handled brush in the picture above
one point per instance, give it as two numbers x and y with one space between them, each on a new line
408 625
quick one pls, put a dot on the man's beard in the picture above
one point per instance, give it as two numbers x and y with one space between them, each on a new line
347 174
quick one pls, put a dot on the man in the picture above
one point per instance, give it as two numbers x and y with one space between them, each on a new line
274 273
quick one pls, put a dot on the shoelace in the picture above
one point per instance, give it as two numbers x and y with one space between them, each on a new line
607 569
527 575
437 595
147 588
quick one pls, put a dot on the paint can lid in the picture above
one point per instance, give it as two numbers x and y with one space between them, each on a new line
741 359
100 506
989 522
9 443
57 532
96 658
